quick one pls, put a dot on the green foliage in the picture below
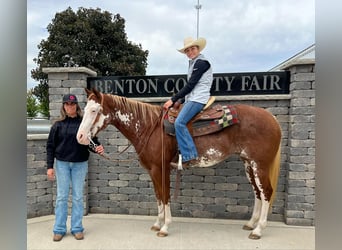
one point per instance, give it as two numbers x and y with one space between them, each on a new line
91 38
41 91
32 108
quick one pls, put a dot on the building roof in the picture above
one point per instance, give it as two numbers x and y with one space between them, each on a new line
303 57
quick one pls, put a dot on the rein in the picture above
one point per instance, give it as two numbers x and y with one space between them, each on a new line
177 187
93 146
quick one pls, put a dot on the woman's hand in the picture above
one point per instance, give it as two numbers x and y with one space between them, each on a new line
99 149
51 174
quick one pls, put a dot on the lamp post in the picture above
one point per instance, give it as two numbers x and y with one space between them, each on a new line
198 7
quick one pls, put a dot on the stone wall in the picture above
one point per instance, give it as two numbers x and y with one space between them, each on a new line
39 190
300 202
222 191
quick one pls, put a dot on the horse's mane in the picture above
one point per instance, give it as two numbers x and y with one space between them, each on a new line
145 111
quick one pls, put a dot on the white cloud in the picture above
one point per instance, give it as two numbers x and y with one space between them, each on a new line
249 35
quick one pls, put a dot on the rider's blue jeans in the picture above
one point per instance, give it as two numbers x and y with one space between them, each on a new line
184 139
67 173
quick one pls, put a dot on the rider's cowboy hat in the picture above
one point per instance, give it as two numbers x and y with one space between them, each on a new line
189 42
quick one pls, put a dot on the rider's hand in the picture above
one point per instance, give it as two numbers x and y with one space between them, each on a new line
167 104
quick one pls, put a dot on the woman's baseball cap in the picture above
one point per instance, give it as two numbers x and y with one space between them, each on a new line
70 98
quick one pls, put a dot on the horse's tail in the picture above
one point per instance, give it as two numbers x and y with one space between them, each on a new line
274 174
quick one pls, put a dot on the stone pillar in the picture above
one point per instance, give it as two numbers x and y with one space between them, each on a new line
67 80
300 200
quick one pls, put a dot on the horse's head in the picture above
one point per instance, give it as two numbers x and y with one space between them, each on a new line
94 118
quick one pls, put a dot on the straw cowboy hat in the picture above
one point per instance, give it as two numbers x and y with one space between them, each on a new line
189 42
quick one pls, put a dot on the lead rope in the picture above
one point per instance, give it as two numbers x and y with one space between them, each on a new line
93 146
163 162
178 173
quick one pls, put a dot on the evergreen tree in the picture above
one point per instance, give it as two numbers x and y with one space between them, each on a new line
32 108
91 38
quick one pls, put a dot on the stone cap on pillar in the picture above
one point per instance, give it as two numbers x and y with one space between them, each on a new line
70 70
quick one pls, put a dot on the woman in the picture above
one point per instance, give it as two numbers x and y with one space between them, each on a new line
71 167
196 94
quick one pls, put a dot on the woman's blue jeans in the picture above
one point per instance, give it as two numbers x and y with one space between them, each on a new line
184 139
67 173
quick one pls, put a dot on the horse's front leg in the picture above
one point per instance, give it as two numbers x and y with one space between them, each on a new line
157 225
163 221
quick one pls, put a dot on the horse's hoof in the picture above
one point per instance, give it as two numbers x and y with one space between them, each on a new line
162 234
254 236
155 228
245 227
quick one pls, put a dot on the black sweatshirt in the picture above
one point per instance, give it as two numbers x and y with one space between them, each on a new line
62 143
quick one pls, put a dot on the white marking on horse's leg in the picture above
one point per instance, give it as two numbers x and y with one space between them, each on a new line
257 203
256 233
157 225
255 215
168 219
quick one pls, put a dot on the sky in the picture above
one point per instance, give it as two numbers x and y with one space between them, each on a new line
242 35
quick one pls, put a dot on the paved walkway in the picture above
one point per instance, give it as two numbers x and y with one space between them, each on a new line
104 232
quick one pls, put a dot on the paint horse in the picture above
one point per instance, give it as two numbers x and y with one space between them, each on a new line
256 139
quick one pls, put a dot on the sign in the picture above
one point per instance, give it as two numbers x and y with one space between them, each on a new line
260 83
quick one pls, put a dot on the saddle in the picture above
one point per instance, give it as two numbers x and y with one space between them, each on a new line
212 118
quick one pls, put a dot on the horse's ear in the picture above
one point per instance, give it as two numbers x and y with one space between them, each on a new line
87 91
96 92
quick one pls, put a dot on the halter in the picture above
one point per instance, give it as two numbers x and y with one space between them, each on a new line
93 145
101 98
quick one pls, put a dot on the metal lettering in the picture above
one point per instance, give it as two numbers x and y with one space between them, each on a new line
130 85
216 83
165 85
153 85
141 83
275 81
254 83
119 85
169 91
229 82
180 83
108 86
244 82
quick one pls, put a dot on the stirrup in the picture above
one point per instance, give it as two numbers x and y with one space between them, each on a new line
180 165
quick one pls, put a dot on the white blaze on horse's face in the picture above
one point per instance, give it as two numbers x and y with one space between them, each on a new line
88 126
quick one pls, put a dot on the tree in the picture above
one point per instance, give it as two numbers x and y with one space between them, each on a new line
32 108
89 37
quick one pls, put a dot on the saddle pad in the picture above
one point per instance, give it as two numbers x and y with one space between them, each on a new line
202 127
229 117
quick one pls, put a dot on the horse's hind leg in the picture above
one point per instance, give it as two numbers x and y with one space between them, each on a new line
258 220
250 225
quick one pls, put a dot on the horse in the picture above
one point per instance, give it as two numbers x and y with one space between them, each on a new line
256 139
